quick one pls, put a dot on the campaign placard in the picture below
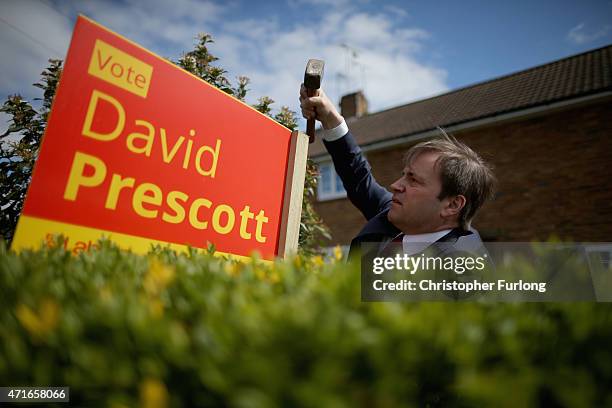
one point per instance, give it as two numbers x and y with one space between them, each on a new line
140 151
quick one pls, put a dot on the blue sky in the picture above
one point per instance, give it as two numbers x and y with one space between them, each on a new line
396 51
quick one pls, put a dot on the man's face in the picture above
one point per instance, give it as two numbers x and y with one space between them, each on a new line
415 208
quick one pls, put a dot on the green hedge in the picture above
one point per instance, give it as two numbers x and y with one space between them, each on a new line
196 330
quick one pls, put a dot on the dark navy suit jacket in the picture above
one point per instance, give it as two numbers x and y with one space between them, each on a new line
374 201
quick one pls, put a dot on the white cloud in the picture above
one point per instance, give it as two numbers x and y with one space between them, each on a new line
31 34
155 24
382 59
271 51
396 11
4 122
579 35
334 4
367 30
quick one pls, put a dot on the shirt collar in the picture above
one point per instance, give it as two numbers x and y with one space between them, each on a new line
413 244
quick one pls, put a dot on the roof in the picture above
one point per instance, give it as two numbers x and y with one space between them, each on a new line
575 76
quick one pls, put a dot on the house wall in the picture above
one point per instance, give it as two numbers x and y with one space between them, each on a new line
554 178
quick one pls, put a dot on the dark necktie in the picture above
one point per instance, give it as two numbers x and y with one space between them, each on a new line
393 247
399 238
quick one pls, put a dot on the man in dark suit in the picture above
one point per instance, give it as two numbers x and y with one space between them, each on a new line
442 186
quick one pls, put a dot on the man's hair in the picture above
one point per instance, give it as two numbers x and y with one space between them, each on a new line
462 172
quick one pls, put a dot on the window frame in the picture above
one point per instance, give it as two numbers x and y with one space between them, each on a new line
335 183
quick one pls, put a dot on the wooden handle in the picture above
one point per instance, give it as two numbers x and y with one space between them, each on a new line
310 130
310 123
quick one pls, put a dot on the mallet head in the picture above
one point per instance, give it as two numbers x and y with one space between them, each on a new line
313 76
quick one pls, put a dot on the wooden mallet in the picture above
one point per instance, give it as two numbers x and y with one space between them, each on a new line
313 76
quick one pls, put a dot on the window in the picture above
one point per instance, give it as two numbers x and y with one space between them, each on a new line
600 255
329 186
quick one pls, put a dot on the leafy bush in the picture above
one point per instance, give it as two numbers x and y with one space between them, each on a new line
197 330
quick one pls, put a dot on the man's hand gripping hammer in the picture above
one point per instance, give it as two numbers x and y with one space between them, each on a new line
313 76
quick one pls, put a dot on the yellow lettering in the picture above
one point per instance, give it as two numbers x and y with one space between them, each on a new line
148 139
215 157
77 176
164 142
187 154
245 216
117 184
91 110
193 213
141 197
216 218
261 219
179 211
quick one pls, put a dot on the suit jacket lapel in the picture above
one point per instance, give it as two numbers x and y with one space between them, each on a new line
378 229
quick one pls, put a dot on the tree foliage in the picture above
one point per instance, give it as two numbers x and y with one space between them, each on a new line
20 143
17 155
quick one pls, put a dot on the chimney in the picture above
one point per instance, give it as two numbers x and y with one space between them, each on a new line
353 105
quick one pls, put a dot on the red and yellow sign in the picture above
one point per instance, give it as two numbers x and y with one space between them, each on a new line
140 151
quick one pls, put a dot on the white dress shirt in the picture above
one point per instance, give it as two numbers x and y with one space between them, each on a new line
336 133
414 244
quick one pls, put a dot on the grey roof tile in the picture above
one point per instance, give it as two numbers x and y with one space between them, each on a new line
567 78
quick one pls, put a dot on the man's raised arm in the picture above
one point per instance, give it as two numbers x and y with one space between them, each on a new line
354 170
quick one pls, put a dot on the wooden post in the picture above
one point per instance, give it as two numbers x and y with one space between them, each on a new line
294 192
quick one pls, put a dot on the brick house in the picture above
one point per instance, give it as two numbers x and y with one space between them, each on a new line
546 130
